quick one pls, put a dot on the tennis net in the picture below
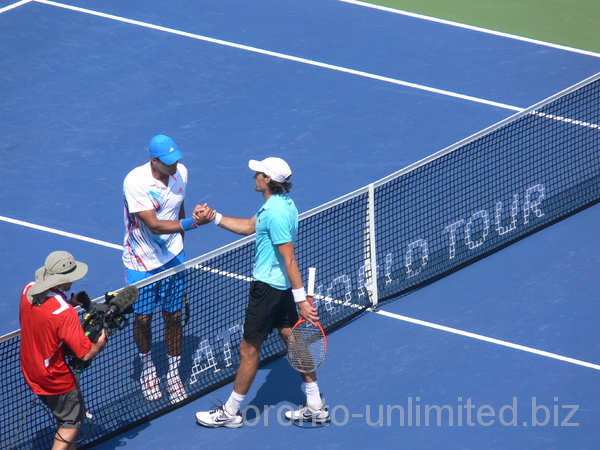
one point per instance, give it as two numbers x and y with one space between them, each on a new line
370 246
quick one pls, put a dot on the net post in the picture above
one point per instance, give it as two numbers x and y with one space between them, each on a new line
372 262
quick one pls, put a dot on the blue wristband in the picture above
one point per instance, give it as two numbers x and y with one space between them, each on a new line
188 224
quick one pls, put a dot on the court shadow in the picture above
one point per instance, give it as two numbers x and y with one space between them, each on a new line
282 384
124 438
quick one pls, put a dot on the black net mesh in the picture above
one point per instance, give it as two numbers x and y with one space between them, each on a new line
462 204
494 189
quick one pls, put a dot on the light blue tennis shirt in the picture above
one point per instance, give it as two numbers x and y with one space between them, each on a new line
276 223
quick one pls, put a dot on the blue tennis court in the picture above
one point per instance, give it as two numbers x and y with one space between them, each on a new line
347 94
532 294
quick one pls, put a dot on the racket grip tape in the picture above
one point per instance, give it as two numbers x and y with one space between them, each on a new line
310 292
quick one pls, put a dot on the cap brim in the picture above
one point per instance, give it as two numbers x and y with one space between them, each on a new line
171 158
256 166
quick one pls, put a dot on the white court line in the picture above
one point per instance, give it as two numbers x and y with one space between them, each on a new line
349 71
488 339
61 233
14 5
472 28
223 273
250 279
284 56
567 120
255 50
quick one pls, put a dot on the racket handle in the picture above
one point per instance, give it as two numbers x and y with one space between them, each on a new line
310 291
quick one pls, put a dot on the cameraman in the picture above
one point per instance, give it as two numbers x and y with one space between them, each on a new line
50 325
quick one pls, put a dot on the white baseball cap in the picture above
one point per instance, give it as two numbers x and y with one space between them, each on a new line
276 168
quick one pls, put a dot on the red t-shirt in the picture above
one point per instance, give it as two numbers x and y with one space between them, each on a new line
46 331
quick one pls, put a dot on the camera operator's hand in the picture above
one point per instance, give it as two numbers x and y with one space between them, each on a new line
103 339
97 346
81 299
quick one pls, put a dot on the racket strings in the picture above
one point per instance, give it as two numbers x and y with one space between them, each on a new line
306 347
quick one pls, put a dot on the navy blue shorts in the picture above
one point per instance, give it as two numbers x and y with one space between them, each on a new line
268 308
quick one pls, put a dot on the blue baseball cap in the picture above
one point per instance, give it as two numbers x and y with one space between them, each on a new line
165 149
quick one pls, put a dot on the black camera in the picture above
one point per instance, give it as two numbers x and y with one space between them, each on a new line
108 316
100 316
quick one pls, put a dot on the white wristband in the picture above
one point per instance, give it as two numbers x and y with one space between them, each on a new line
299 295
217 219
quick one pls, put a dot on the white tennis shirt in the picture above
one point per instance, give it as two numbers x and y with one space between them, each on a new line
142 250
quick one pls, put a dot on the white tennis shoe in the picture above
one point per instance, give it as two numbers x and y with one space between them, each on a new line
150 385
218 416
309 415
177 392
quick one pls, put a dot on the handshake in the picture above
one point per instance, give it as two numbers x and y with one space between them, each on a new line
203 214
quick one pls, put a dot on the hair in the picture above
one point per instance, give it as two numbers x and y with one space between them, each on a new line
279 188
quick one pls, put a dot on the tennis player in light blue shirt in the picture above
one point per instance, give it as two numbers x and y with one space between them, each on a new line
276 224
277 296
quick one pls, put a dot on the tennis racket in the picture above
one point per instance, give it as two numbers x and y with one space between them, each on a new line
307 343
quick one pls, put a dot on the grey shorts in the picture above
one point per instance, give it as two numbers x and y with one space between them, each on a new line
68 408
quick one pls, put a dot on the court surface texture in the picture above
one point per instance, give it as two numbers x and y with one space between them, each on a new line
504 353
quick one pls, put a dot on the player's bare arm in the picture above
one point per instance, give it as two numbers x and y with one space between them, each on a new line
236 225
293 272
159 226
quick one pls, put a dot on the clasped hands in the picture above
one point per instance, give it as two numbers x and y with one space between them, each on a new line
203 214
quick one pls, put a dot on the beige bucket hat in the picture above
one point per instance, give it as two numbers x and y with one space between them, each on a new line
60 268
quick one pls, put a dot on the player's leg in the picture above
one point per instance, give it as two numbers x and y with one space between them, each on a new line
174 332
258 323
314 409
171 294
172 302
142 334
174 336
249 361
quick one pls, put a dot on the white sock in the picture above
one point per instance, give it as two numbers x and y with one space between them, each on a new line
233 404
313 395
174 362
147 364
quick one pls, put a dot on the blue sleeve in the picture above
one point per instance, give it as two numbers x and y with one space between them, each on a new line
280 228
